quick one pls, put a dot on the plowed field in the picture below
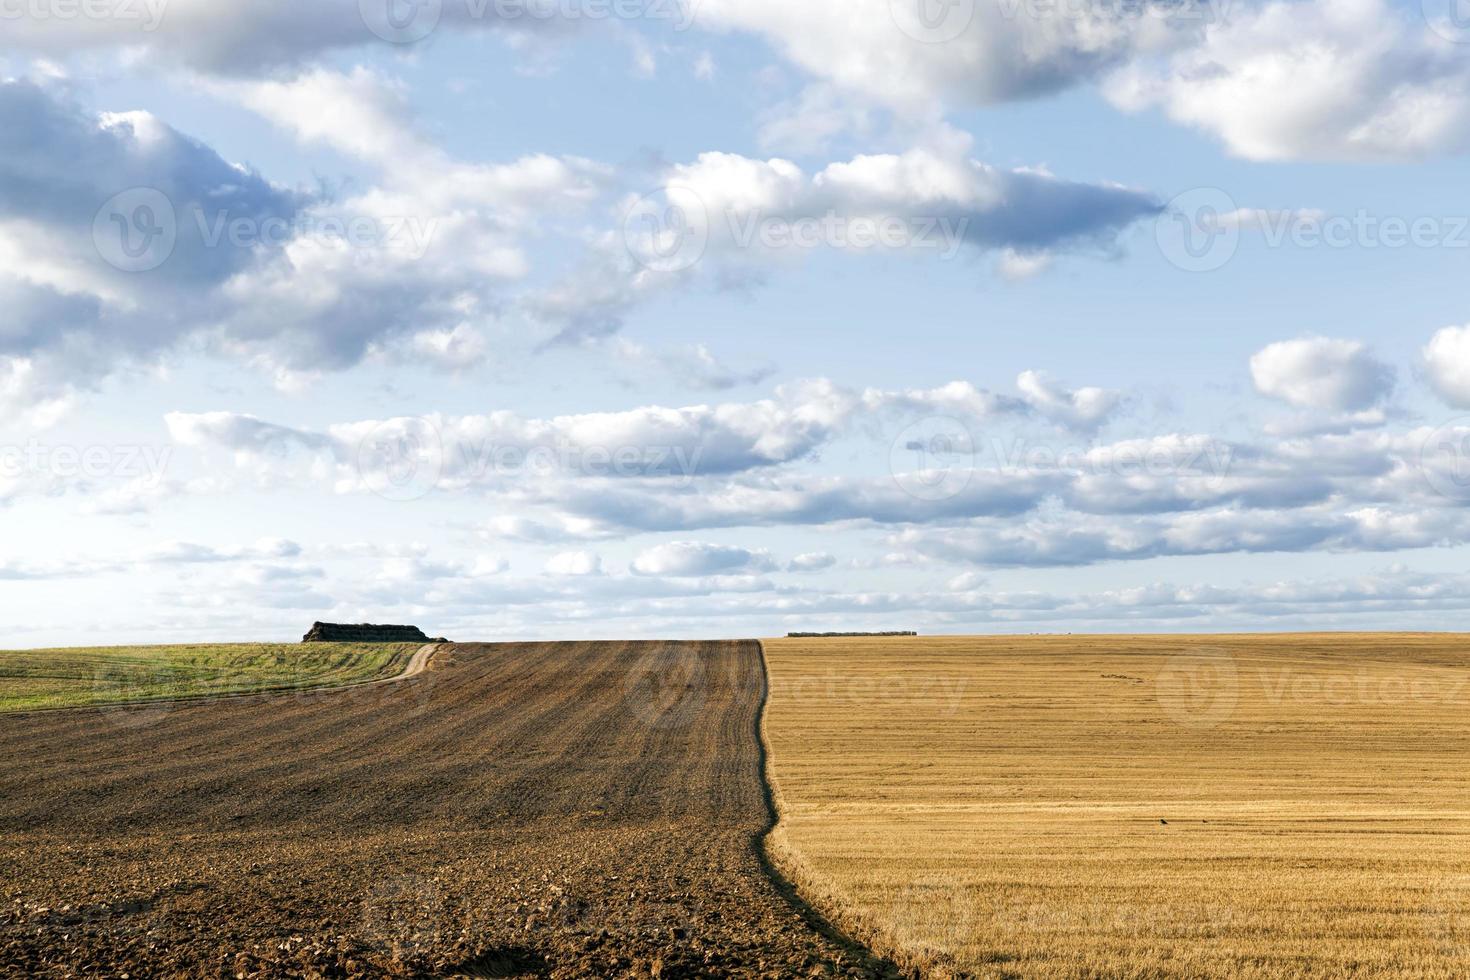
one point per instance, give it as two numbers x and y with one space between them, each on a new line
528 810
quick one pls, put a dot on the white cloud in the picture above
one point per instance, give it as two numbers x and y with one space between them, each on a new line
1322 373
295 283
1447 360
1045 543
1019 266
989 51
735 220
653 442
226 37
576 564
1084 409
1290 80
359 112
816 561
695 367
690 559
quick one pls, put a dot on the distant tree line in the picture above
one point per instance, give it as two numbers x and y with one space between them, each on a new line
818 636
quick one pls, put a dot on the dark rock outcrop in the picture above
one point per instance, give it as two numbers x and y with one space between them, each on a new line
366 633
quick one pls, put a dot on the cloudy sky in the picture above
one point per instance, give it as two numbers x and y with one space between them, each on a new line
572 318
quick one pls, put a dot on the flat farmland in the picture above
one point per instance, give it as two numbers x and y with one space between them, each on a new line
1233 806
45 679
562 810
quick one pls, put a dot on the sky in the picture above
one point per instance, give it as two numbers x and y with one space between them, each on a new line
521 319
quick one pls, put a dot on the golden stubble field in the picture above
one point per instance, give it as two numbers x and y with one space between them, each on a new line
1232 806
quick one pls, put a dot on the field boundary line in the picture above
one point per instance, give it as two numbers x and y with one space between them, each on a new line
783 864
417 664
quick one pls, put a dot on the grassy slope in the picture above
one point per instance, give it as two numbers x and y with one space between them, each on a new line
32 679
993 806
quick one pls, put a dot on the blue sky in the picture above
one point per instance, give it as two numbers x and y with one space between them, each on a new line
581 238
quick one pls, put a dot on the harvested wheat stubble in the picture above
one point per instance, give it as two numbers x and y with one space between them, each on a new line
530 810
1254 807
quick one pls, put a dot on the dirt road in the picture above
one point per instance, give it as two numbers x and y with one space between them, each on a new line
530 810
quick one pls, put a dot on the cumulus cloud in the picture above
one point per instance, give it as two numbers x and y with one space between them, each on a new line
575 564
84 197
738 219
1447 361
815 561
1322 373
989 51
121 239
686 443
694 367
1085 409
359 112
688 559
223 37
796 501
1288 80
1079 542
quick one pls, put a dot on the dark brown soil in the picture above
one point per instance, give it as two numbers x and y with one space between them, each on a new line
561 810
